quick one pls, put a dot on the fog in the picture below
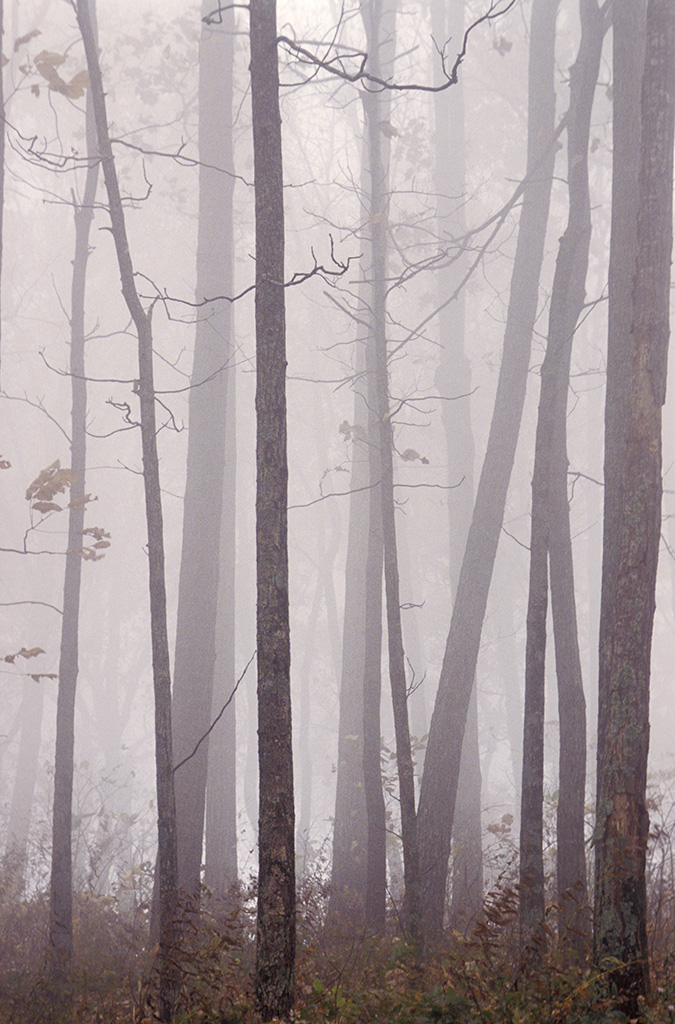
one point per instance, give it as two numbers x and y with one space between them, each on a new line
150 66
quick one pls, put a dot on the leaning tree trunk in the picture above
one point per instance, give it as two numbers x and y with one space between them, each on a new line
441 767
275 953
169 979
631 553
61 880
550 535
453 378
199 581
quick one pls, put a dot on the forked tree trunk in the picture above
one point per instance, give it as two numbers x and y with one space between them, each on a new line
550 535
169 977
201 575
631 552
441 766
275 952
61 880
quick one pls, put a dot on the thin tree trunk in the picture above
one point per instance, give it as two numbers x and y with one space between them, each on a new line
23 791
376 873
631 553
441 767
551 533
198 591
61 880
2 161
380 21
220 846
453 378
275 953
169 976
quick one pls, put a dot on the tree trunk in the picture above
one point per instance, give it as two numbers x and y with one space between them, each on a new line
551 535
275 953
441 767
453 377
631 553
169 977
23 791
201 563
61 880
380 23
2 158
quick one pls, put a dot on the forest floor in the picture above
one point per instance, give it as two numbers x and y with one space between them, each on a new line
356 979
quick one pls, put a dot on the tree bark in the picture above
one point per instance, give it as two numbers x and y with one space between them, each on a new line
441 768
550 536
275 953
169 976
631 554
201 574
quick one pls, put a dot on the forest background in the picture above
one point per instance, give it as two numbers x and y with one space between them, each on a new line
150 67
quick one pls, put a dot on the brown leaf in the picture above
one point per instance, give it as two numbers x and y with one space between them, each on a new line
49 57
78 84
18 43
46 506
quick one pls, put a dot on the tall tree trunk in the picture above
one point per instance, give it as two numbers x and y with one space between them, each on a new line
169 977
453 378
441 766
61 880
349 871
2 160
198 591
220 846
631 552
550 534
380 23
275 953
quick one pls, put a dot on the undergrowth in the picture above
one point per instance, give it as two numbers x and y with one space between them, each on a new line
353 978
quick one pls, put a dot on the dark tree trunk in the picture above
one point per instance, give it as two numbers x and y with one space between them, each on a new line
551 534
453 378
169 978
275 954
441 767
631 552
61 880
201 563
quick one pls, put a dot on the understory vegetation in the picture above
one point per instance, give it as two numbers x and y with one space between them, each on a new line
349 977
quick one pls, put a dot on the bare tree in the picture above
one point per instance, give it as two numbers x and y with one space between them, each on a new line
60 953
202 579
169 977
441 766
275 952
550 538
633 506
